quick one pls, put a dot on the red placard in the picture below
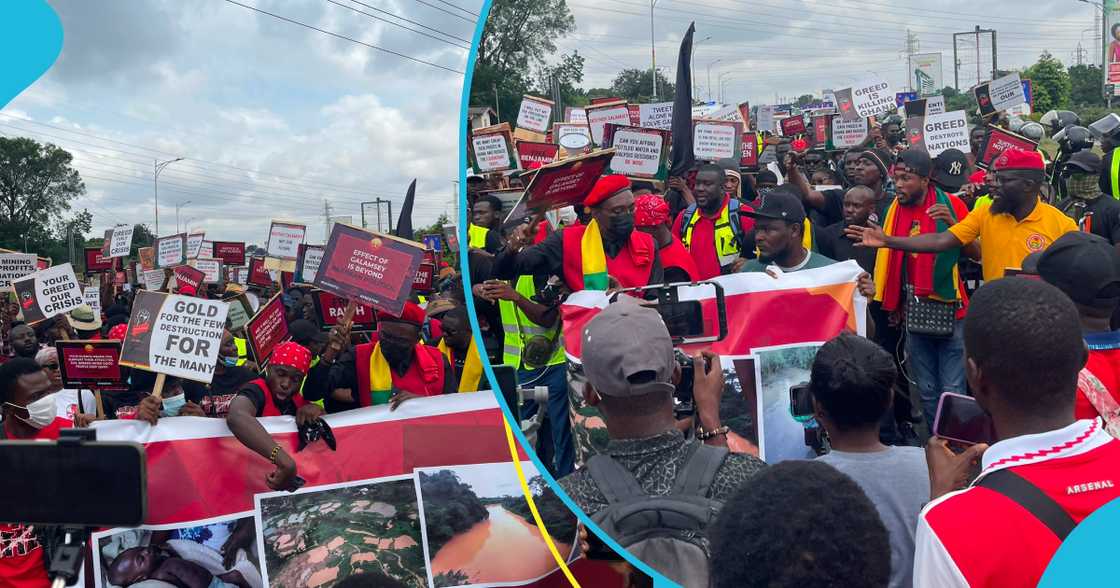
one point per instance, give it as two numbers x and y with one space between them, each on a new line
258 276
96 262
331 308
566 182
90 364
997 141
186 275
820 130
267 329
425 276
793 126
537 154
595 101
42 263
368 267
230 252
286 279
750 150
635 115
745 112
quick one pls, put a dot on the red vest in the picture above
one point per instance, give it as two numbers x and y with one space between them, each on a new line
675 255
632 266
270 408
424 376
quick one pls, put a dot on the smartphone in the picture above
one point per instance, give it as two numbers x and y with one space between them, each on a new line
507 384
51 483
960 418
801 401
684 319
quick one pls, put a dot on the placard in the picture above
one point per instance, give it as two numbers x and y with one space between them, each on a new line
766 118
793 126
207 250
153 279
846 133
330 309
230 252
749 158
939 132
901 98
211 270
121 243
240 310
96 262
535 114
532 154
194 244
89 364
575 115
658 115
566 182
369 267
14 266
572 138
267 329
639 152
284 240
493 149
601 114
147 257
257 274
745 115
845 105
1000 94
714 140
452 237
820 130
999 140
92 296
171 250
872 96
424 278
307 265
186 275
47 293
174 335
106 242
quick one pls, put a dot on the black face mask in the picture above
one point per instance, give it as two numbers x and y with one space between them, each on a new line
621 227
395 352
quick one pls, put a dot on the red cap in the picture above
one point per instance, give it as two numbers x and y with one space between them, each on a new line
412 313
650 210
1019 159
606 187
978 177
293 355
187 290
118 332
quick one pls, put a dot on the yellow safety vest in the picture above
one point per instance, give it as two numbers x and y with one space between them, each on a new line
242 350
518 328
727 246
1114 173
476 236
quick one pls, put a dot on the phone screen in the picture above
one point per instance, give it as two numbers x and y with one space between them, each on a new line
800 401
960 418
683 319
507 382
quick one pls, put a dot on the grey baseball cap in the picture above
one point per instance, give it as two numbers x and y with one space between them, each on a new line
622 341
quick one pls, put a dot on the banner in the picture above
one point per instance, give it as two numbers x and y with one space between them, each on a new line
92 296
658 115
153 279
96 261
171 250
48 293
267 329
186 275
566 182
925 74
174 335
846 133
715 140
89 364
766 118
230 252
425 278
749 157
257 274
575 115
535 114
307 265
121 242
14 266
194 244
330 309
792 126
999 94
284 240
997 141
938 132
147 257
639 152
369 267
211 270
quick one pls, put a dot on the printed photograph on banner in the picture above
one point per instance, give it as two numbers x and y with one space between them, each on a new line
322 535
777 369
220 551
479 531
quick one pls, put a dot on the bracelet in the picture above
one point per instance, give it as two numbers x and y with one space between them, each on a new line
703 435
275 452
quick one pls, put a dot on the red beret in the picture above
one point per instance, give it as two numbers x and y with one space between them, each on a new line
118 332
1019 159
606 187
293 355
187 290
412 313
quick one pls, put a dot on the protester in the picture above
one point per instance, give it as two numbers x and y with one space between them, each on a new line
713 229
859 207
214 399
867 168
1085 205
799 523
25 343
851 384
651 216
458 347
1016 224
950 170
483 232
85 322
1024 349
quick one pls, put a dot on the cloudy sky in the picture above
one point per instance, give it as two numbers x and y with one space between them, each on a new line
792 47
272 118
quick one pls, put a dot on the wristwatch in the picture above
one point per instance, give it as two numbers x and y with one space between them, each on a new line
703 435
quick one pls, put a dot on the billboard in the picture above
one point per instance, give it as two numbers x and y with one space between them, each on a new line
1112 40
925 73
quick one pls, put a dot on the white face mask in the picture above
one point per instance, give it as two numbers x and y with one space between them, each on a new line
40 413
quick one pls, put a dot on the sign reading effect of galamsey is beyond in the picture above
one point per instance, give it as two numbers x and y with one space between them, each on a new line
369 267
174 335
48 293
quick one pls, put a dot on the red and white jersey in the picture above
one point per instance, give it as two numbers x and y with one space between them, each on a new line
978 537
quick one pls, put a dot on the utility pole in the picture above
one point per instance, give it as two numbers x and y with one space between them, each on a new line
710 78
692 66
1078 54
157 166
911 49
326 220
652 50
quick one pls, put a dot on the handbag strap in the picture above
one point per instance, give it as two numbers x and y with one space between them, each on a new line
1098 395
1032 498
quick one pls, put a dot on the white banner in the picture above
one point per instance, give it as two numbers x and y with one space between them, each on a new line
534 115
637 153
946 131
1007 92
14 266
714 141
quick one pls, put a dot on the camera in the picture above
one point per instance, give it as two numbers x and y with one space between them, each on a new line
549 295
315 430
801 408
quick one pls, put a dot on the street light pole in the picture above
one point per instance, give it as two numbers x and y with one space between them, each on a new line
719 81
652 50
692 65
177 207
710 77
157 167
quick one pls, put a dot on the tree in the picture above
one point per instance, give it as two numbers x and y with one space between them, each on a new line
1051 83
957 100
804 99
37 185
636 85
1085 85
567 74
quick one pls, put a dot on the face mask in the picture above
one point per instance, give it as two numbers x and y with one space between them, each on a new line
40 413
395 353
1084 186
172 405
621 227
227 361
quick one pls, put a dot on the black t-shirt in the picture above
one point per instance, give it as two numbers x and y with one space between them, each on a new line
1103 213
215 398
256 395
833 211
833 243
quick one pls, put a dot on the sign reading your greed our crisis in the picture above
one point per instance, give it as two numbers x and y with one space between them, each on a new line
48 293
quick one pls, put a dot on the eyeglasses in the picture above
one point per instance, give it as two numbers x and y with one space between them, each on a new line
50 366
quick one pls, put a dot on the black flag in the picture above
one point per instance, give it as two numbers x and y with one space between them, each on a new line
681 156
404 221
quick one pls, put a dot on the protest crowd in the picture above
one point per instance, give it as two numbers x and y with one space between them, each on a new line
956 431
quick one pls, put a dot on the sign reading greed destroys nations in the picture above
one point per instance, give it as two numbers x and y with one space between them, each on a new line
714 140
14 266
369 267
656 116
640 153
48 293
284 240
171 250
939 132
535 114
267 329
872 96
121 241
174 335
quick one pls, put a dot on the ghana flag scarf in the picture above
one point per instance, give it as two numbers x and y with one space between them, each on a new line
381 375
472 366
935 273
593 258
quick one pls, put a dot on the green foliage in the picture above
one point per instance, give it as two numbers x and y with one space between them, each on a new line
636 85
450 507
1051 83
1085 85
451 578
37 187
559 521
957 100
804 99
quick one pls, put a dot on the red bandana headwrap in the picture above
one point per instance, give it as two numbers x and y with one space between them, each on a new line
650 210
293 355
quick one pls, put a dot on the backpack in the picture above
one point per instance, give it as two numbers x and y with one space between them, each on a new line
667 532
733 213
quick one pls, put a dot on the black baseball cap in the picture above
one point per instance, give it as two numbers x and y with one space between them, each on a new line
1084 266
917 161
779 204
1086 161
950 169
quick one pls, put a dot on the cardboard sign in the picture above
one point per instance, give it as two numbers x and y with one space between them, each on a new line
935 105
639 152
846 133
330 309
820 130
174 335
89 364
207 250
535 114
186 275
766 118
267 329
793 126
714 140
871 97
433 242
425 277
749 159
240 310
1000 94
230 252
999 140
284 240
47 293
121 242
452 237
96 262
147 257
14 266
369 267
153 279
171 250
572 138
938 132
658 115
601 114
575 115
257 274
92 296
211 270
531 154
310 256
566 182
493 149
194 244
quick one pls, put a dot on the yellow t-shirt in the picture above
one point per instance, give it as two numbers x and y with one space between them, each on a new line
1005 241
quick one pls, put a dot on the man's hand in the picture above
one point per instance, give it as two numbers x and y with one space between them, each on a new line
865 285
399 398
82 420
949 471
337 340
870 236
677 183
940 212
518 237
148 410
707 387
737 265
285 473
479 291
191 409
307 413
499 290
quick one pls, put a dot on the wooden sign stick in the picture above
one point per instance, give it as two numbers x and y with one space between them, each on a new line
157 390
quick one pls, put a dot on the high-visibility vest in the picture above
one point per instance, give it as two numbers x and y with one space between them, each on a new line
314 362
728 232
517 328
242 350
476 236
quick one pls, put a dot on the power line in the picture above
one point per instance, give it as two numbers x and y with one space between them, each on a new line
358 2
375 17
343 37
445 11
458 7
